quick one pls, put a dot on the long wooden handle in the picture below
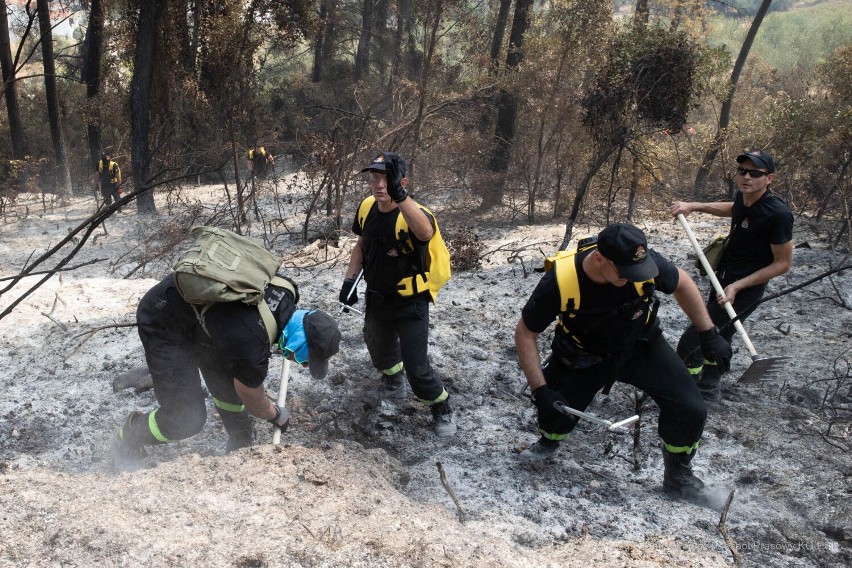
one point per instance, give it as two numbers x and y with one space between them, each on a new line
282 397
716 285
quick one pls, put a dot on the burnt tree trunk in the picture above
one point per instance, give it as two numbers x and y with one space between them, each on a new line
91 73
63 176
321 40
596 165
20 148
507 105
362 56
140 89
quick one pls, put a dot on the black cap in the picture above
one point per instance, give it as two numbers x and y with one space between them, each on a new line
104 156
378 163
323 337
627 247
760 159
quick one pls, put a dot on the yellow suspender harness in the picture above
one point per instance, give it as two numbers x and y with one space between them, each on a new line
437 265
569 284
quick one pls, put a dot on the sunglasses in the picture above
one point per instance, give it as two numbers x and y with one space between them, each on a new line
754 174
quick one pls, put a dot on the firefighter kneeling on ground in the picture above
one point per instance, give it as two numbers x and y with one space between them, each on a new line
231 348
603 299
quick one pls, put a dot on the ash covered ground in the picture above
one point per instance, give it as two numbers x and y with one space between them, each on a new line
356 482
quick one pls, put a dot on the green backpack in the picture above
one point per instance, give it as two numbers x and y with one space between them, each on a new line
713 252
222 266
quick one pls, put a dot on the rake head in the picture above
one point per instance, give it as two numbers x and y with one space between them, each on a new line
763 369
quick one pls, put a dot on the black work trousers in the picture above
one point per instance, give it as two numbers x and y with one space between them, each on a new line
653 367
110 193
176 350
689 345
397 331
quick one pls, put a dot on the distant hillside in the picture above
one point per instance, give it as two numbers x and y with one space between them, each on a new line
800 35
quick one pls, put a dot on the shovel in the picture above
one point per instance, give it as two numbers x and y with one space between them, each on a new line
611 426
761 368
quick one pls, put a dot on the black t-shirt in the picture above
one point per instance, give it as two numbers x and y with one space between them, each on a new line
605 321
753 230
386 258
237 330
237 334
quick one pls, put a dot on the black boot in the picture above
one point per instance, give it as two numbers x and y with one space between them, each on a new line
444 418
128 444
678 478
240 429
709 384
544 449
394 386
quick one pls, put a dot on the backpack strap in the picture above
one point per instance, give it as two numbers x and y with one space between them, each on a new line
566 275
287 284
568 284
364 210
268 322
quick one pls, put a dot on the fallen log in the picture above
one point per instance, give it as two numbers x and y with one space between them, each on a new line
139 378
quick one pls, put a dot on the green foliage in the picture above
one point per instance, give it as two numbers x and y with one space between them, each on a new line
794 38
748 8
813 134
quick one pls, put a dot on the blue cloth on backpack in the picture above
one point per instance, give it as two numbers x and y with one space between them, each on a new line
293 339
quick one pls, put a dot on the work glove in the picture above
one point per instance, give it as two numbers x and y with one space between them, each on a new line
282 418
551 420
716 349
395 189
345 298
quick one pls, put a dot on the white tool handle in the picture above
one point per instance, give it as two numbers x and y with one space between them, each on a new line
565 409
282 397
716 285
625 422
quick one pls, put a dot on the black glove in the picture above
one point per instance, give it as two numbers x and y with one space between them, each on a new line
549 419
348 286
395 189
716 349
282 418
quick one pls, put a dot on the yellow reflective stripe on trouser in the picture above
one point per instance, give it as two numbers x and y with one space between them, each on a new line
697 370
680 449
554 437
393 370
222 405
155 430
441 398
